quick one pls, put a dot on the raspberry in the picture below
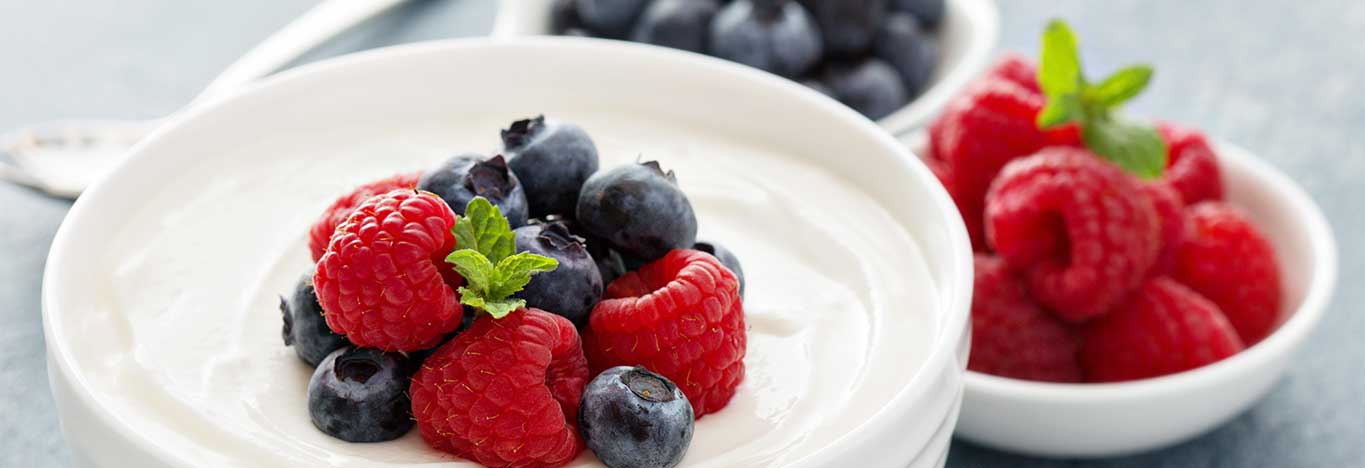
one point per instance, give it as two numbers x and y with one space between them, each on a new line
1162 329
1170 212
1226 259
1016 68
379 281
505 392
1014 337
1191 165
1079 229
322 229
679 316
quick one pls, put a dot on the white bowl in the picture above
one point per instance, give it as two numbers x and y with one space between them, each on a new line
967 36
1113 419
424 101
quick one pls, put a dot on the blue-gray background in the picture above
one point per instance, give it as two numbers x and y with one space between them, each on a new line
1285 79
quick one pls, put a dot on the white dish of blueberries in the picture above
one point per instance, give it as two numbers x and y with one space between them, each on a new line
386 260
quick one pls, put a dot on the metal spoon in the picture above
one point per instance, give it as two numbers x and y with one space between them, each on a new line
63 158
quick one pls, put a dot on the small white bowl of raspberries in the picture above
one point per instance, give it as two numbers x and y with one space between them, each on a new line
1136 284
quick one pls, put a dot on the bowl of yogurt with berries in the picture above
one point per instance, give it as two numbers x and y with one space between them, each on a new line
407 257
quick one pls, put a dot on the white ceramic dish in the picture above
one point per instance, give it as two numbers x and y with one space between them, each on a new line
967 36
1104 420
183 247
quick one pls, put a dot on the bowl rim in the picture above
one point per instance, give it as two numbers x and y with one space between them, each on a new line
955 292
1285 339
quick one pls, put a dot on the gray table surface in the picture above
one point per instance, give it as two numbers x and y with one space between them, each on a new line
1281 78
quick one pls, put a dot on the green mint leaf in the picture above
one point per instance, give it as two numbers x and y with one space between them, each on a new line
515 272
478 272
1121 86
1063 109
484 229
1059 71
500 308
1135 147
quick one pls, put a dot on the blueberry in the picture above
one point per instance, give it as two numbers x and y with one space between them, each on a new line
564 16
777 36
869 86
726 258
610 263
928 12
570 290
680 24
819 87
461 178
361 395
639 209
304 326
610 18
847 26
631 417
907 48
551 159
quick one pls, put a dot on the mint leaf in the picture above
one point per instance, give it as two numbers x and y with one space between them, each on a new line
1059 71
1137 148
1063 109
1121 86
515 272
484 229
477 271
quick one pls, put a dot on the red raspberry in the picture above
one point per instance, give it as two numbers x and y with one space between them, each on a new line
1226 259
1016 68
1170 211
1078 227
379 282
1162 329
680 316
1191 164
1014 337
321 232
505 392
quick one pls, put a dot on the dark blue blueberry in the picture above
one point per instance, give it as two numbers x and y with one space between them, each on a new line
551 159
459 179
680 24
304 326
847 26
907 48
361 395
631 417
572 289
564 16
869 86
928 12
726 258
819 87
639 209
776 36
610 264
610 18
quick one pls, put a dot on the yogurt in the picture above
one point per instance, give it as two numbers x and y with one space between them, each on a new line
182 342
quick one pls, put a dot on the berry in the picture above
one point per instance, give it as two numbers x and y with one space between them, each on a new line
380 281
1226 259
1017 69
551 159
361 395
572 289
1191 165
775 36
869 86
461 178
639 209
1079 229
1170 212
1014 337
564 16
631 417
909 49
847 26
304 327
727 259
610 18
505 392
680 316
819 87
928 12
1162 329
680 24
322 229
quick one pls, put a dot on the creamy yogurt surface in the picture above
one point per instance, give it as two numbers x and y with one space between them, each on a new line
182 340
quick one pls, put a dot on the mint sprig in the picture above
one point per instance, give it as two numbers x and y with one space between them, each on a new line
1134 146
486 259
